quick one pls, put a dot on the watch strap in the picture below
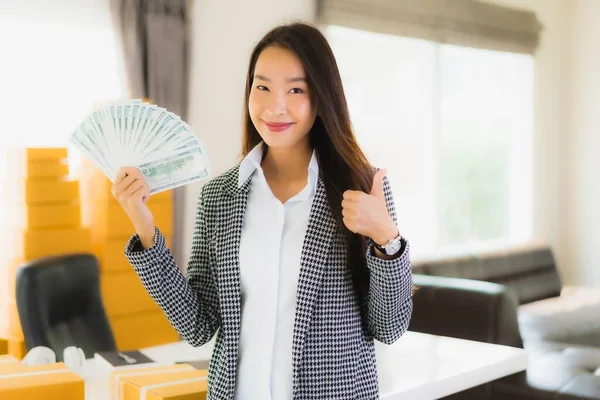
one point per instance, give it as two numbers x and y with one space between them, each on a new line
378 247
382 248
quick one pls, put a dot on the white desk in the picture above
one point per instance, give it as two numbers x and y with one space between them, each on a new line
418 366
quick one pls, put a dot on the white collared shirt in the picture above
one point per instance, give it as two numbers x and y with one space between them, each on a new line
270 249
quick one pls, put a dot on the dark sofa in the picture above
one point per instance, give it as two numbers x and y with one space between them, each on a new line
511 298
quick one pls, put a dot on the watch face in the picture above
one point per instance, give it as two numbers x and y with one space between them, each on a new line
393 247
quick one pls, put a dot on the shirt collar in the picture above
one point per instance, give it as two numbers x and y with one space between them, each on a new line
252 161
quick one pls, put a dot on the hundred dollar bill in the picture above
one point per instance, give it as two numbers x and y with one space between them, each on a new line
175 170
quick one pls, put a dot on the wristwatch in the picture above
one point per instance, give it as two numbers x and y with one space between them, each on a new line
391 247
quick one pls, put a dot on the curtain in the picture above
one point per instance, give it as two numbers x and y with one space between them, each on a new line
467 23
155 40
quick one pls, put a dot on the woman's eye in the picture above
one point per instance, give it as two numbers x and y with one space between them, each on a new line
296 91
261 87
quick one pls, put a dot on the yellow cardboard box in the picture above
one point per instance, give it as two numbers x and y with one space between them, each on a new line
7 359
11 368
117 375
42 154
32 244
140 387
45 382
187 389
147 329
124 294
8 283
20 166
17 348
13 323
41 191
45 216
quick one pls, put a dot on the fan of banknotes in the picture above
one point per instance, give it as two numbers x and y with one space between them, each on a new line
134 133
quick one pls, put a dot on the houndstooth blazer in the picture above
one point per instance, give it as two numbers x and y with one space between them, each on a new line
333 355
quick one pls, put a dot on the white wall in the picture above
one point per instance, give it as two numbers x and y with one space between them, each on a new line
549 196
225 33
583 142
567 144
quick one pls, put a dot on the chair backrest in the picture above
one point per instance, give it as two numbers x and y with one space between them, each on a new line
59 305
466 309
529 271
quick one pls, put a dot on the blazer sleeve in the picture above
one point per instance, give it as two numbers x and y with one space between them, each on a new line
191 304
389 301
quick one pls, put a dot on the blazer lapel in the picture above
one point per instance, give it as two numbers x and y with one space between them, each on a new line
315 250
228 234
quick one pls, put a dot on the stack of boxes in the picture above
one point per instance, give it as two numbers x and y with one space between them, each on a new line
162 382
136 320
39 382
41 217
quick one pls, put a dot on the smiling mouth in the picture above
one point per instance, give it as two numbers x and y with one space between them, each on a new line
278 126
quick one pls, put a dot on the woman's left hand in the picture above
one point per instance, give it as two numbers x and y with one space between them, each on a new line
366 213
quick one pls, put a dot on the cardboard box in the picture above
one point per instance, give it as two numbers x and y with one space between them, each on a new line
32 244
11 368
189 389
124 294
4 347
140 387
41 191
46 382
42 154
142 330
13 323
111 254
45 216
8 282
20 166
17 348
118 374
8 359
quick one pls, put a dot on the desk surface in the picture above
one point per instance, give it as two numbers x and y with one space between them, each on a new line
417 366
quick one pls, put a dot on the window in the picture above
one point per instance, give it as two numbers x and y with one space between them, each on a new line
59 61
453 126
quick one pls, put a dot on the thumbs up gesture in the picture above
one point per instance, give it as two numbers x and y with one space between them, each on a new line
366 213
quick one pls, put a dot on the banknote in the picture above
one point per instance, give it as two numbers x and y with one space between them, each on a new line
135 133
175 170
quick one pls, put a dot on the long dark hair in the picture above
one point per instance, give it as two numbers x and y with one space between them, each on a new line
341 161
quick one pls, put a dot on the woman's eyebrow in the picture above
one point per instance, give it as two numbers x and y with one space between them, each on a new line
296 79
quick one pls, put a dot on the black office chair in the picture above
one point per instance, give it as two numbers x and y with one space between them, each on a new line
59 305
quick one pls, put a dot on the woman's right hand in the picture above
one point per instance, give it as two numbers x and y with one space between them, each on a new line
132 191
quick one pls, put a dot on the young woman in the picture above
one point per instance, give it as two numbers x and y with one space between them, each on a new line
297 261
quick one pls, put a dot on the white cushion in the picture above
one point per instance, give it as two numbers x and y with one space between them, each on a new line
572 317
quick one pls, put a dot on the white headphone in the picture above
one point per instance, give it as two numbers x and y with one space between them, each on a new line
73 357
39 355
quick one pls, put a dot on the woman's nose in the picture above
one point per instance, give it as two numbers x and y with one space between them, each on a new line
277 105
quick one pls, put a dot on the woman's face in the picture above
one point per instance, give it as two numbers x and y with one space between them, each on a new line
280 102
